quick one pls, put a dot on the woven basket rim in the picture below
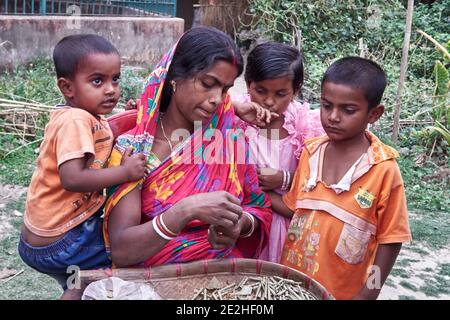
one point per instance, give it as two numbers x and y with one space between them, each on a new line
203 268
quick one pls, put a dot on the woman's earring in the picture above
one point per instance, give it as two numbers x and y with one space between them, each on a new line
174 85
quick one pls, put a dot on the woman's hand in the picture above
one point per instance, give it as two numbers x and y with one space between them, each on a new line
269 178
218 208
221 237
253 113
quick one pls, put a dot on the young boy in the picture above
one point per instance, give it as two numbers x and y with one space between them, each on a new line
62 223
350 217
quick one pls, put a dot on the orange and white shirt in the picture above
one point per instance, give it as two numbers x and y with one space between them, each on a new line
70 134
335 231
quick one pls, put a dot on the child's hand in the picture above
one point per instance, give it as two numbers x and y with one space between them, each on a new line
253 113
269 178
130 105
135 165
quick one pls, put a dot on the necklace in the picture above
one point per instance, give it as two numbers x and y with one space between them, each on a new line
164 133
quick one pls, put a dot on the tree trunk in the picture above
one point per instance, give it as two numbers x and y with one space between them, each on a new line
403 68
222 14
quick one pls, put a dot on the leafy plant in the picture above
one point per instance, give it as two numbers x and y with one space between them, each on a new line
440 111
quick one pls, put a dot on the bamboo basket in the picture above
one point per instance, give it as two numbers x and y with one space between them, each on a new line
180 281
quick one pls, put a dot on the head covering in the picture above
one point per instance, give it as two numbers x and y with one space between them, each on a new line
188 170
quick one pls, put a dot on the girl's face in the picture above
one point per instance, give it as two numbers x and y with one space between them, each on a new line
272 94
197 98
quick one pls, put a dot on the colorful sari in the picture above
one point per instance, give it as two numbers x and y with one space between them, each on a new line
174 178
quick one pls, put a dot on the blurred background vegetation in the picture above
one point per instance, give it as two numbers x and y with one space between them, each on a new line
325 30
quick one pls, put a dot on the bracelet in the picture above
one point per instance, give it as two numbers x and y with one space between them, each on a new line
252 228
156 222
286 180
164 227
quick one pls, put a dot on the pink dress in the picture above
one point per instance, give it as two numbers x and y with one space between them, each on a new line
301 123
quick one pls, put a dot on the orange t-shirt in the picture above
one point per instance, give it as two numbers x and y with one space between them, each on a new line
333 236
70 134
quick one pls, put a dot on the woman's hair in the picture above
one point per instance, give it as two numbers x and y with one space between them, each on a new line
197 51
71 50
272 60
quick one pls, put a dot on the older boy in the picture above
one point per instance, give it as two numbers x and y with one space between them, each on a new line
350 210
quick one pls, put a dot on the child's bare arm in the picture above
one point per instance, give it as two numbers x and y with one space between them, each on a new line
253 113
384 261
77 177
279 206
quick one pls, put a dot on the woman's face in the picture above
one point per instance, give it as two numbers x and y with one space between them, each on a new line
197 98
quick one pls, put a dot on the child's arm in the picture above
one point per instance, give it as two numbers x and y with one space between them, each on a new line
384 261
270 179
253 113
77 177
279 206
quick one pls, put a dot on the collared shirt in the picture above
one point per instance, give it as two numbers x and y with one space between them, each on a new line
335 231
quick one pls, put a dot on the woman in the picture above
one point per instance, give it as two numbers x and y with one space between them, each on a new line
189 207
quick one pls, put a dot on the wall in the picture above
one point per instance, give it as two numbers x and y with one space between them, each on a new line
140 40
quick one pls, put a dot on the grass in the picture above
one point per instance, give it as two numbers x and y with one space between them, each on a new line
18 167
408 285
435 286
400 272
444 269
406 262
30 284
434 230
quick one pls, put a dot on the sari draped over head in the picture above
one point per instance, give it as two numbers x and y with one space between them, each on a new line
174 178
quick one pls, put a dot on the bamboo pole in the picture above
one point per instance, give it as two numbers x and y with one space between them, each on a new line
403 68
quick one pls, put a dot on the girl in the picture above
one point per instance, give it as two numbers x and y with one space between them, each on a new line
274 76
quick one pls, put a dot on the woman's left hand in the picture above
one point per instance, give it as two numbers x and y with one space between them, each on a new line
269 178
221 238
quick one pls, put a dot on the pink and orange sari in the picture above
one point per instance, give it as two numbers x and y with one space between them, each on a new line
174 179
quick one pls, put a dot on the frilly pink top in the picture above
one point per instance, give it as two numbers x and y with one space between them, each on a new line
301 123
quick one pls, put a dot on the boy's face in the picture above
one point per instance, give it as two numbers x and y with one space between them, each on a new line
95 86
344 111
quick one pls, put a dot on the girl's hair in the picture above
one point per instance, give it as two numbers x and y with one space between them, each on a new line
71 50
274 60
197 51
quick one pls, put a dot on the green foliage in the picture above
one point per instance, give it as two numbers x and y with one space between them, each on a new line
440 111
35 81
332 27
18 167
429 194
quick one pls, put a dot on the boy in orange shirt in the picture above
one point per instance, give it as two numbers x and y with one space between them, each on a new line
62 223
347 198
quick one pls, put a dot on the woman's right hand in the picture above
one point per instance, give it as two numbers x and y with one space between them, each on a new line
218 208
